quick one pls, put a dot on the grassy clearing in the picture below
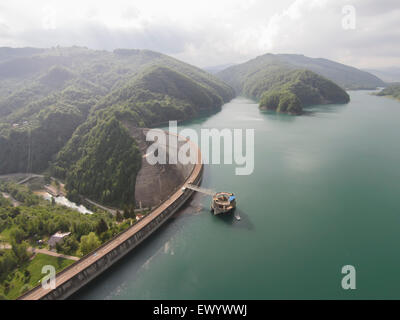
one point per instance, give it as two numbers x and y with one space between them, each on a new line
29 275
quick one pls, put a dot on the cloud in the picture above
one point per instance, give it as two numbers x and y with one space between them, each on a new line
210 32
314 27
154 37
3 29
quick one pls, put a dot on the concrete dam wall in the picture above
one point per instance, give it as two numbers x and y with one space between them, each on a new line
155 183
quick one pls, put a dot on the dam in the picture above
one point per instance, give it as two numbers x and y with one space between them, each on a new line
90 266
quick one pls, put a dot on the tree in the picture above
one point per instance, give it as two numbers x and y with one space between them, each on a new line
59 246
68 246
6 287
101 226
20 251
119 216
15 211
8 261
17 234
47 178
127 213
132 212
88 243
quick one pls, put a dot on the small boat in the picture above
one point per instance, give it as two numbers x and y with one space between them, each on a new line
223 202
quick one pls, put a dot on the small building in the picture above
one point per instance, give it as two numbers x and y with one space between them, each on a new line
57 238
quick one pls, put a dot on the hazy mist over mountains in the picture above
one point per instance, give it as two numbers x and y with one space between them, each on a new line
386 74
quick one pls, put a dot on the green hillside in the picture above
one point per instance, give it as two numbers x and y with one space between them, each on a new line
100 161
281 87
392 90
160 93
60 106
345 76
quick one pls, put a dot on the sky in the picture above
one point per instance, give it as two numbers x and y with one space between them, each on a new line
362 33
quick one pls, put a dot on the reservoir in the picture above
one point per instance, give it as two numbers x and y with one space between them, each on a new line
324 194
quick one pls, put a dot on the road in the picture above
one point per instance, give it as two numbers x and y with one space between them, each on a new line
112 211
7 246
26 179
54 254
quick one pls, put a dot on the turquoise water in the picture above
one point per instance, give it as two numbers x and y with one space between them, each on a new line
324 194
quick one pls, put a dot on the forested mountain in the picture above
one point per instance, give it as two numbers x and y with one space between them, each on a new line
48 94
161 93
281 87
301 88
345 76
